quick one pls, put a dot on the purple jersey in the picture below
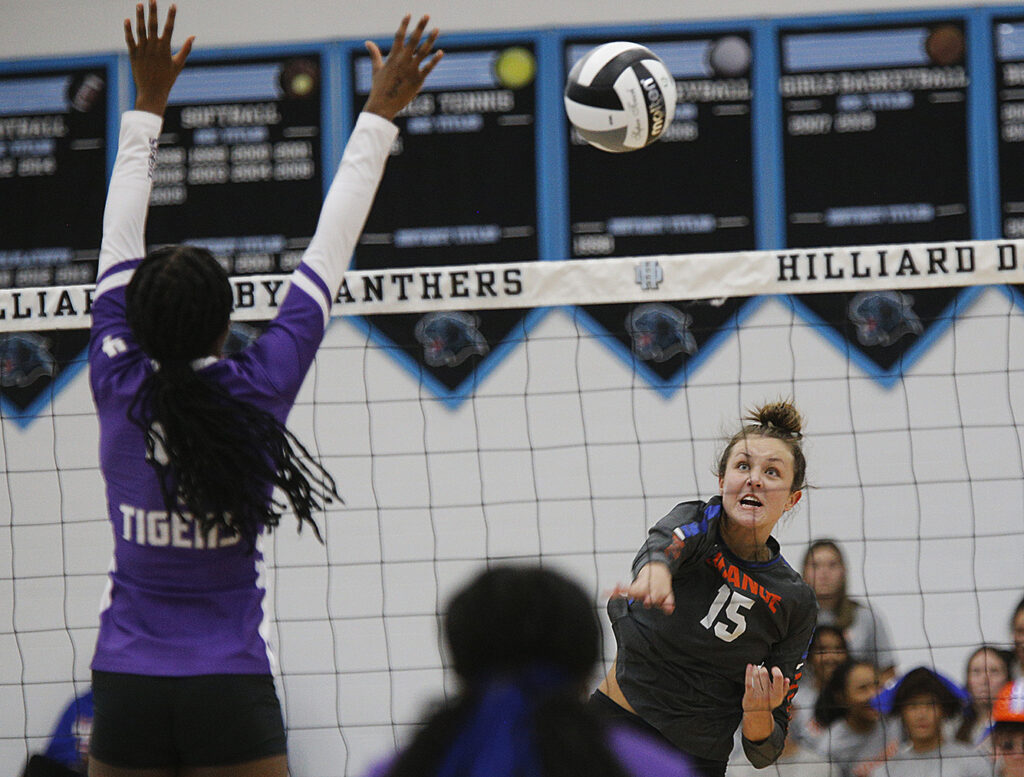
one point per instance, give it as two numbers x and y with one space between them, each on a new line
179 602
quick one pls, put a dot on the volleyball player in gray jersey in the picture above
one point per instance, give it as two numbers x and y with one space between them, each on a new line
713 631
191 444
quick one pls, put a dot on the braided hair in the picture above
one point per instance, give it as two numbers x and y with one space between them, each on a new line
217 458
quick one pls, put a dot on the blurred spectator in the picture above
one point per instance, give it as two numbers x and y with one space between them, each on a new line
826 652
988 671
867 636
524 641
922 701
854 735
1017 628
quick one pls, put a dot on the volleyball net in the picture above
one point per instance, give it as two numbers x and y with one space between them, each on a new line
551 412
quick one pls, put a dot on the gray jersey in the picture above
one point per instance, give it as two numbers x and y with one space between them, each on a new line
858 753
684 673
800 763
952 759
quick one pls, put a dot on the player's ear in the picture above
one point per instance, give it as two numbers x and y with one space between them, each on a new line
793 499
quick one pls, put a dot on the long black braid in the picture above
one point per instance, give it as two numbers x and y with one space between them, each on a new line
217 458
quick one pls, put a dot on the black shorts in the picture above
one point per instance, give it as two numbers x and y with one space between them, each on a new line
140 721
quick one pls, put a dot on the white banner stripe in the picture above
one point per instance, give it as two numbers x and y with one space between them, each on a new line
663 278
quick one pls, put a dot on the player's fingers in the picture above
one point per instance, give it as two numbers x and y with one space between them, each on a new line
182 55
424 50
376 60
129 37
640 592
417 33
169 24
140 23
668 604
400 34
657 596
638 589
438 55
432 63
780 685
153 20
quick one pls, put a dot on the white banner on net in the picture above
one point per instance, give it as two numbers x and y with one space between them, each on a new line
590 281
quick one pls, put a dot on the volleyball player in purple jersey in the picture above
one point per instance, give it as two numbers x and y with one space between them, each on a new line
191 445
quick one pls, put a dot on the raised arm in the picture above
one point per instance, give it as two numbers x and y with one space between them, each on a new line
154 69
396 81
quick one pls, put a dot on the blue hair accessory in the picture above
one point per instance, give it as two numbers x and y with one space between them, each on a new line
498 738
885 699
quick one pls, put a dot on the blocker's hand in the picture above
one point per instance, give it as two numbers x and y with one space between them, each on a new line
399 78
154 68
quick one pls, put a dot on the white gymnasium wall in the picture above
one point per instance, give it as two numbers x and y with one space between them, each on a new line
44 28
561 454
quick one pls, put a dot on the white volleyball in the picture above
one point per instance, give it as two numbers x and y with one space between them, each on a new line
620 97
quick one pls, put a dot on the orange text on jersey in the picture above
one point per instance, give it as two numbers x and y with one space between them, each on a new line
741 581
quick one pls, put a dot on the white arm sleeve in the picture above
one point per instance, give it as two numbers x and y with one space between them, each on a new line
124 217
349 199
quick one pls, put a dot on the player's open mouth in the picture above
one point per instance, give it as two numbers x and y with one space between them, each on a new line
750 501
